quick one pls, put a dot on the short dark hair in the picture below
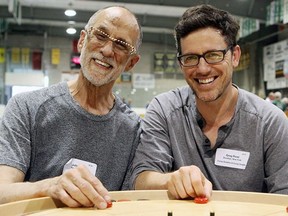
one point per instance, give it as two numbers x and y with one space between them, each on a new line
203 16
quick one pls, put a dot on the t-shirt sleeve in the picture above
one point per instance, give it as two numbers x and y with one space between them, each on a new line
276 153
153 152
15 135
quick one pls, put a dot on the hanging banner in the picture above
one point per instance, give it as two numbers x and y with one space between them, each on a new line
74 46
15 55
36 60
55 56
25 55
2 55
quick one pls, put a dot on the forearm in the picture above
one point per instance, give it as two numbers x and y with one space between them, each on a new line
10 192
150 180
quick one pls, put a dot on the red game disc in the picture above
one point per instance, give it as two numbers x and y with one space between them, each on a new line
201 200
109 204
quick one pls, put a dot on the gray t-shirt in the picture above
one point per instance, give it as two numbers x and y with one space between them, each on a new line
172 138
40 131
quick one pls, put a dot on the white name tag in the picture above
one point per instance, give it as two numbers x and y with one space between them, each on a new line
73 162
231 158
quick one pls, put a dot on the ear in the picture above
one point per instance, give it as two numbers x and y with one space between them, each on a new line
236 55
132 62
81 40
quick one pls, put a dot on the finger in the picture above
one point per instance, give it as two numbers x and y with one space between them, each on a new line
101 190
65 198
196 177
172 190
187 182
177 180
57 190
208 188
93 189
77 187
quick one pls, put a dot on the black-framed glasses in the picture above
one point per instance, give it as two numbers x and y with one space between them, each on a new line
211 57
119 46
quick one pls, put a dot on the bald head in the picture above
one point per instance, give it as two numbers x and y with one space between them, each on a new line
116 15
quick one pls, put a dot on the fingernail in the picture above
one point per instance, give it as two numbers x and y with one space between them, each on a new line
103 205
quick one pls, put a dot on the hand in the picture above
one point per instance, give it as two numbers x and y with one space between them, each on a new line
189 181
78 187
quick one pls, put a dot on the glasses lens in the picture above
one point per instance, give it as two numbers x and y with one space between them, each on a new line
189 60
101 37
118 45
214 57
122 46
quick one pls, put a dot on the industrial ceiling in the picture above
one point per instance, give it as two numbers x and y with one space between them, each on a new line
157 17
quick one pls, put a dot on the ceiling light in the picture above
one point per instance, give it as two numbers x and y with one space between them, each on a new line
70 12
71 30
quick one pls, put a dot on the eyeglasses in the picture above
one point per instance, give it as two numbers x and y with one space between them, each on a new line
211 57
119 46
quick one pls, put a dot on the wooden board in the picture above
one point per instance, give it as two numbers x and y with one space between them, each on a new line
158 203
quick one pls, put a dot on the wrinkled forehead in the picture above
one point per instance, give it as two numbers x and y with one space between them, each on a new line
115 16
117 22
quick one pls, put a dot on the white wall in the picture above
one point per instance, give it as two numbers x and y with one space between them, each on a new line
24 79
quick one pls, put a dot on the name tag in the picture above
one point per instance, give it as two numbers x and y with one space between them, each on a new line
231 158
73 162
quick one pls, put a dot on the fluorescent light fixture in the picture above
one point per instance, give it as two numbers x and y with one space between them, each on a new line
70 12
71 30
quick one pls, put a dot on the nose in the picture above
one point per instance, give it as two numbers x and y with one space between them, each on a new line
107 48
203 66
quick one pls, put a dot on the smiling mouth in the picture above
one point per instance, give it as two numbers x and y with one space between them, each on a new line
206 81
104 64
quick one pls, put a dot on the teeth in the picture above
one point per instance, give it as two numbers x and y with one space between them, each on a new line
204 81
102 63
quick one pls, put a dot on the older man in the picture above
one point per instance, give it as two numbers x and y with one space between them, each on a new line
80 122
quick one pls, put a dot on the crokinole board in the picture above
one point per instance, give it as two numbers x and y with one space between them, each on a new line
158 203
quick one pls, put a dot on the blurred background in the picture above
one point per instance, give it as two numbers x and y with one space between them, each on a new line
38 45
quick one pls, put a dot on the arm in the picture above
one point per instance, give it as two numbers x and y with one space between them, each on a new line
276 151
159 161
188 181
75 188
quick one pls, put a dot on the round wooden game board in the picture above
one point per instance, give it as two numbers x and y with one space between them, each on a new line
158 203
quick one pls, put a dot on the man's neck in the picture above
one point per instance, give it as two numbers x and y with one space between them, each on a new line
98 100
220 111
